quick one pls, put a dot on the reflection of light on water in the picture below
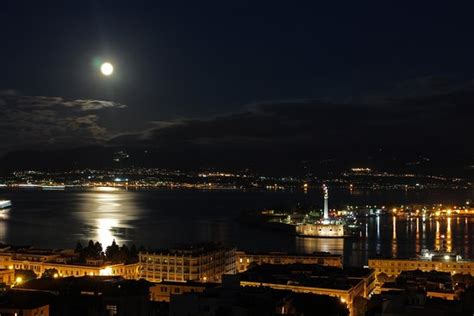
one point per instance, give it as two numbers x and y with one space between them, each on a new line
394 229
417 235
377 221
423 236
449 237
105 189
4 215
437 237
466 237
394 236
311 245
108 211
378 245
104 230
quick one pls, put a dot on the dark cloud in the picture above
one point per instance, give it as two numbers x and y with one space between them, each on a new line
33 121
415 123
427 124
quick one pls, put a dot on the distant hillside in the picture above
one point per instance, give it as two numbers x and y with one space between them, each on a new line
267 160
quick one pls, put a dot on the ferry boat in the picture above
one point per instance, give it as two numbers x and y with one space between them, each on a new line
53 187
5 204
439 255
28 186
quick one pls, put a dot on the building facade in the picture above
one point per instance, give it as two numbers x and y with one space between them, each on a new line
7 276
393 267
25 311
202 263
162 292
64 262
345 284
245 259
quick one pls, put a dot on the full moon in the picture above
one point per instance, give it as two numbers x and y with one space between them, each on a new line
107 69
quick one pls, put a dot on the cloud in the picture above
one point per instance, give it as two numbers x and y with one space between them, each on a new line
413 122
93 105
34 121
438 121
14 99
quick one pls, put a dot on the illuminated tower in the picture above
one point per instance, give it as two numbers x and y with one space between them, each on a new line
326 206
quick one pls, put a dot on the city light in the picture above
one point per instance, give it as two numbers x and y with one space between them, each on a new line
106 271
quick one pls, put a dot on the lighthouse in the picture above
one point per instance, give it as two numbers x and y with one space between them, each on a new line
326 205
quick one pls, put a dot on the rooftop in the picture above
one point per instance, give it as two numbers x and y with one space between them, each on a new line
188 283
190 249
306 275
112 286
278 253
24 300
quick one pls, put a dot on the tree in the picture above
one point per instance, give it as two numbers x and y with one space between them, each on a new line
133 252
124 254
49 273
24 275
79 248
92 251
89 251
112 251
97 253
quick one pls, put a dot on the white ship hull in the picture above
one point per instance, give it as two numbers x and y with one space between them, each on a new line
5 204
53 187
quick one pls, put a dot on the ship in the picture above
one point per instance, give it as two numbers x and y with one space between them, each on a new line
53 187
5 204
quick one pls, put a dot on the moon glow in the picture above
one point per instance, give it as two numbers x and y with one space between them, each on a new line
107 69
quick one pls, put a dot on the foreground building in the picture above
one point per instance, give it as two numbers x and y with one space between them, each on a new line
416 303
7 276
232 299
344 283
91 296
431 284
246 259
205 262
391 268
162 292
25 303
64 262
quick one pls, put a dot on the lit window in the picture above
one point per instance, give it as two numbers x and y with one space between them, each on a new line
112 309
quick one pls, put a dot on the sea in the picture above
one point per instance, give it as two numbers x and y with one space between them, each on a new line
164 218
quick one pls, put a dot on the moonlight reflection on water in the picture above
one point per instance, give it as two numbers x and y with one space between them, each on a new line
162 218
108 213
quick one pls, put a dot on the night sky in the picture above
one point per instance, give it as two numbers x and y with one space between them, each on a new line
239 77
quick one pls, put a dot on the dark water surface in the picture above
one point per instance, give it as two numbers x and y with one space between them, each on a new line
161 218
